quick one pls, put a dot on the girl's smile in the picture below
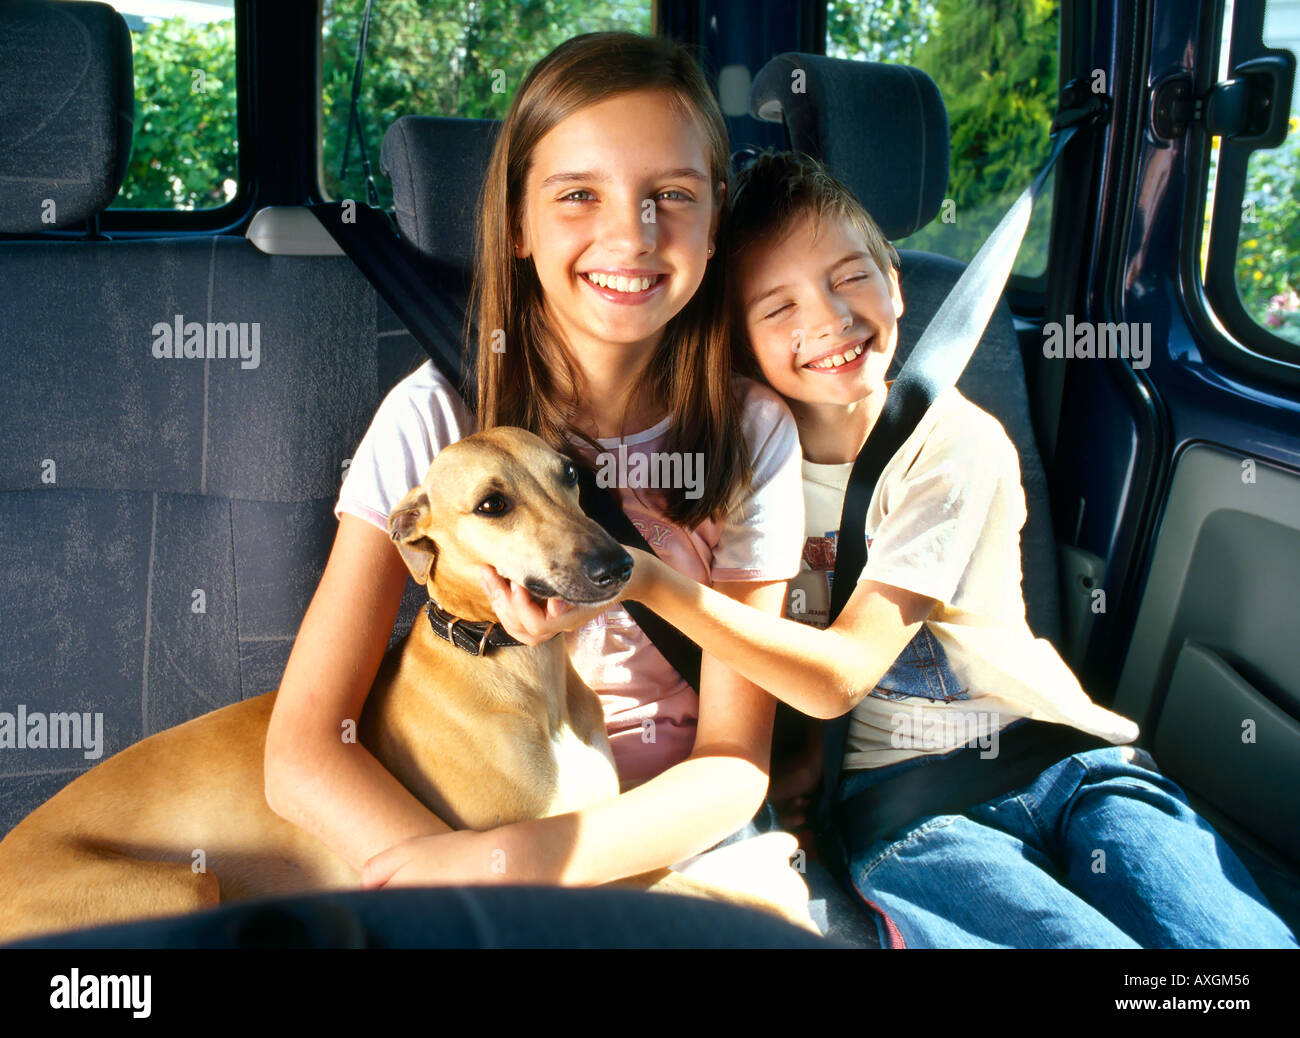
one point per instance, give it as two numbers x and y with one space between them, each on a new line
625 287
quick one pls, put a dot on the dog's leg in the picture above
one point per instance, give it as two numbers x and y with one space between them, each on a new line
78 886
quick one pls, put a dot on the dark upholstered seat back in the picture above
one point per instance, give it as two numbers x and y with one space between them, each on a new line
163 521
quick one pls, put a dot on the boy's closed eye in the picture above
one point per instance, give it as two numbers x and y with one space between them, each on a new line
784 307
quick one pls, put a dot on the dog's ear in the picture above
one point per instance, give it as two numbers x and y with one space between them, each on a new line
405 526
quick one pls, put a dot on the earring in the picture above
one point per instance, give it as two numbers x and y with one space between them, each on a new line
710 250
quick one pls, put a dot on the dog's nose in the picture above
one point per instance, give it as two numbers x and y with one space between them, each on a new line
607 567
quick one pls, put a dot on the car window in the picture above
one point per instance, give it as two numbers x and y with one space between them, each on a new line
1267 267
996 67
184 152
437 57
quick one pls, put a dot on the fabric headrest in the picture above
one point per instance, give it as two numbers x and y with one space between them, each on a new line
67 113
881 129
437 166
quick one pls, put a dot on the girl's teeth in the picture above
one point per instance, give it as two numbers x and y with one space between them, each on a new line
620 284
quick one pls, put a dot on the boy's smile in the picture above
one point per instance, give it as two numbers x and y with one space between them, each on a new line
821 317
840 362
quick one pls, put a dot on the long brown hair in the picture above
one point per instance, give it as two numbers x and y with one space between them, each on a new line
533 383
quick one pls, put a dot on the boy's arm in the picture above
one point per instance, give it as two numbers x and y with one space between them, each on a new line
823 673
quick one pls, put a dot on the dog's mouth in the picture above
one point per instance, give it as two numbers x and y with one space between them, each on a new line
589 596
540 589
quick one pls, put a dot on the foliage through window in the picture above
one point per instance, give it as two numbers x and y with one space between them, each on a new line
1268 246
439 57
996 67
184 152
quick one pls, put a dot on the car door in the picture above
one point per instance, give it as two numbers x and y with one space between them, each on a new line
1180 462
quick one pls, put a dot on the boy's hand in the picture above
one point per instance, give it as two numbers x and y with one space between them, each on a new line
529 621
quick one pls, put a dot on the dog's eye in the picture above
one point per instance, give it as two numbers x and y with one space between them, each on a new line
570 474
493 504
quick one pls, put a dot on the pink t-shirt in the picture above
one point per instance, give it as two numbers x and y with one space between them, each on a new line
650 712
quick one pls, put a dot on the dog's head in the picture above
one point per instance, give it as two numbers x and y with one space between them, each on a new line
504 498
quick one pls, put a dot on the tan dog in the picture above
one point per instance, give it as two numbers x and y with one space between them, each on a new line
482 741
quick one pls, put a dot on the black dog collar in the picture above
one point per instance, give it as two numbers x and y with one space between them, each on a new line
474 638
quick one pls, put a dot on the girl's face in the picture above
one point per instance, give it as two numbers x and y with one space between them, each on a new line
618 215
820 315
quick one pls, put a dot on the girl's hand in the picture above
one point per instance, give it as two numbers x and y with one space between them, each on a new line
464 858
795 779
529 621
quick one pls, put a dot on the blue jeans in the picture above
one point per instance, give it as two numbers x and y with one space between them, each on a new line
1100 851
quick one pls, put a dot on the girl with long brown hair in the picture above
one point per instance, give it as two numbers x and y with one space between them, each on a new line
600 328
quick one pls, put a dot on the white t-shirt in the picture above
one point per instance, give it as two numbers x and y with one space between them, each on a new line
650 712
420 416
944 521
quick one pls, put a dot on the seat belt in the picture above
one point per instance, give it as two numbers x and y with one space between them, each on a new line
602 506
935 364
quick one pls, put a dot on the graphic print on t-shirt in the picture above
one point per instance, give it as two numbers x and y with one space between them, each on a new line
809 597
810 592
654 533
819 552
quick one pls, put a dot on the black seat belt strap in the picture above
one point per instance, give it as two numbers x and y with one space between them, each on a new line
682 653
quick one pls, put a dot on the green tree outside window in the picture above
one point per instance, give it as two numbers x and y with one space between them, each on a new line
185 147
440 57
995 64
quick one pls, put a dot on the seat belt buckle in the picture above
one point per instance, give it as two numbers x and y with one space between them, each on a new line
1081 105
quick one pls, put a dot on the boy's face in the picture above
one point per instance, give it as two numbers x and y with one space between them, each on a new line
807 303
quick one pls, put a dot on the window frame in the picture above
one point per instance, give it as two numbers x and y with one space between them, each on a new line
317 190
231 213
1225 328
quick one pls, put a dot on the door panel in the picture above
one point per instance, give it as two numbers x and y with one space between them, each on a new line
1213 672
